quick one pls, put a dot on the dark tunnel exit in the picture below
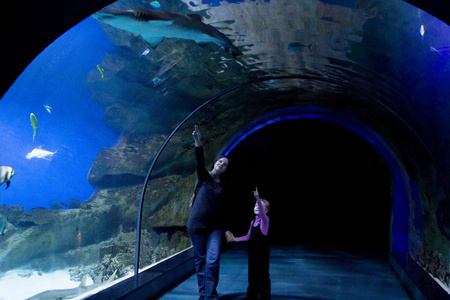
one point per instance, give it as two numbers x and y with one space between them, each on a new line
327 186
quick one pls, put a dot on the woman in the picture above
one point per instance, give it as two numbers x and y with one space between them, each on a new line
206 221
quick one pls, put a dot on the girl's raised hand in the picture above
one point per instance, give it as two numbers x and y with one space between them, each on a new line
256 193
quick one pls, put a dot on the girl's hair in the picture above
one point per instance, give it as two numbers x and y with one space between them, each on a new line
266 202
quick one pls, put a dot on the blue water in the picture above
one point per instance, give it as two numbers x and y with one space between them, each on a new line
75 129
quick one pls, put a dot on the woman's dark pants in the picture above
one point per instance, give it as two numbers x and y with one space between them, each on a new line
207 245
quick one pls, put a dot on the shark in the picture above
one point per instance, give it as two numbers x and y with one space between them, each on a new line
71 293
155 25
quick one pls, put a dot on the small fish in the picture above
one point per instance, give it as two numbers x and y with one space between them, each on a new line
38 152
3 225
276 80
6 174
422 30
298 47
156 81
55 204
441 50
102 72
34 124
155 4
74 203
65 204
48 108
146 52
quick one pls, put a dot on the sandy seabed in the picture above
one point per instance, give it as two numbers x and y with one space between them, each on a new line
20 284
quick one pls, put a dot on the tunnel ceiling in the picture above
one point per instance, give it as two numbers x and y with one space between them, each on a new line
384 62
33 25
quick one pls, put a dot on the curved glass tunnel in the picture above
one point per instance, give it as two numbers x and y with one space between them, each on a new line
337 111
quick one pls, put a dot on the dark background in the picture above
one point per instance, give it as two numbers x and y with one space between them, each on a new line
326 185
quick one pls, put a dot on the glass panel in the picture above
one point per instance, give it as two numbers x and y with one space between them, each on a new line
58 227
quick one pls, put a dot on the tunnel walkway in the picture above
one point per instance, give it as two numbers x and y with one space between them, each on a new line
302 272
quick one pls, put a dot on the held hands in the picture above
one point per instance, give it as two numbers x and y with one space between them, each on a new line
230 237
197 136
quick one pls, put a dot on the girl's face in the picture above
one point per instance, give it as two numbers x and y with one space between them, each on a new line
221 165
256 208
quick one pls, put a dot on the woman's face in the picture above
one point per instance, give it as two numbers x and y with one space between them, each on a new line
221 165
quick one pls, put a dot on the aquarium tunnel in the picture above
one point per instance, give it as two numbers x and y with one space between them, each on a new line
337 110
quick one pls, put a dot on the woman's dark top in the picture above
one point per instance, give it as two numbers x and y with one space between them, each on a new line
206 212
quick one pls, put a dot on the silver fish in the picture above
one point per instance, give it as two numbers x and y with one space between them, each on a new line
38 152
6 174
3 225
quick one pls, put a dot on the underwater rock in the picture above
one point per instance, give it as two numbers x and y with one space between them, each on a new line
11 212
104 225
125 201
37 216
43 231
199 87
168 246
124 164
443 217
174 210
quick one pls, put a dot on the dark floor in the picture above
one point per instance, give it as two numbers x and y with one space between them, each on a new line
300 272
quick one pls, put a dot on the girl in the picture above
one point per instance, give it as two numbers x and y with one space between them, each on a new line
258 250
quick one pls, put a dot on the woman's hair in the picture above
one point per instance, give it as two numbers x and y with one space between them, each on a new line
217 159
222 176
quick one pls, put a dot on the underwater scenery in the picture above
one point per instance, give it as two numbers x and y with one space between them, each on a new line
86 120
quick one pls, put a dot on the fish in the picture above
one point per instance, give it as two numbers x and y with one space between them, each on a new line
3 225
6 174
155 4
48 108
422 30
34 124
298 46
71 293
38 152
155 25
156 80
146 52
441 50
55 204
102 72
74 203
